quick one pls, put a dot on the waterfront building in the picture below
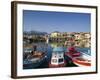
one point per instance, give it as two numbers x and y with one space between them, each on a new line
78 36
87 35
55 34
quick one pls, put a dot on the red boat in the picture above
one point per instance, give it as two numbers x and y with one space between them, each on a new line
73 52
80 59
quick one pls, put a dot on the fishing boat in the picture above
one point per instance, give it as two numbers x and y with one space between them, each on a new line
33 59
57 59
33 63
83 60
79 58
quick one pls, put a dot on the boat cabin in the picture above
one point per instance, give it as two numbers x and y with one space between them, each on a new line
57 56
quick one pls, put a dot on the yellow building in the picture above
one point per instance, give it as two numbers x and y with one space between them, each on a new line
55 34
87 35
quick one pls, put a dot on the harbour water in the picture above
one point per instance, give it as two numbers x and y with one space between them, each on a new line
47 48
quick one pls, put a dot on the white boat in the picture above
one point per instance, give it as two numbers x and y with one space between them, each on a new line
57 59
83 60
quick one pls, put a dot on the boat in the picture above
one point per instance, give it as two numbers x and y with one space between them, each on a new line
79 58
57 59
72 52
33 59
33 63
83 60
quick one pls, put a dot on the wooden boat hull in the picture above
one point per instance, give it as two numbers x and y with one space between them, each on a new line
81 61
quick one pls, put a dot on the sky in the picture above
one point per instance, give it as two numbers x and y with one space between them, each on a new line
47 21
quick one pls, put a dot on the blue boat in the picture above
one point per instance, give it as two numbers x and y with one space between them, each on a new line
33 59
33 63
